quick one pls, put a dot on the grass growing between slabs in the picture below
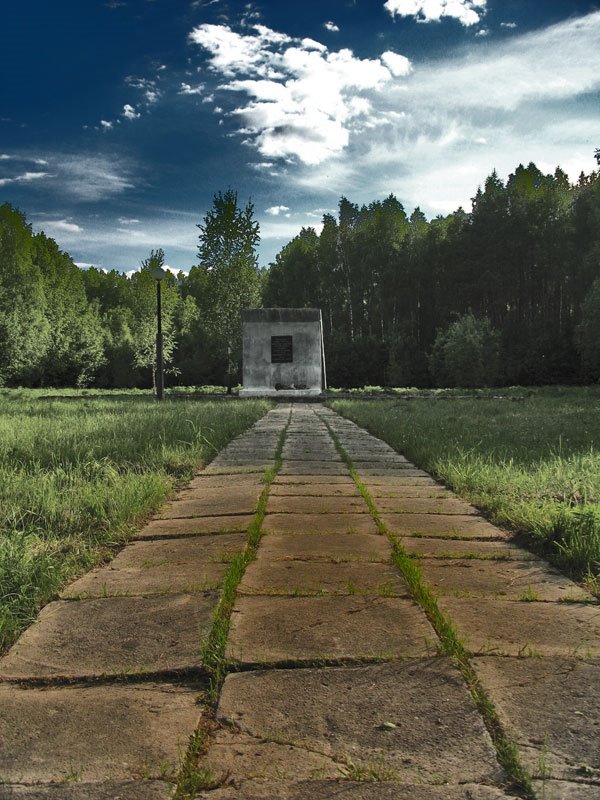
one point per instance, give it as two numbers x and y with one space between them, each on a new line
77 476
450 643
191 777
532 465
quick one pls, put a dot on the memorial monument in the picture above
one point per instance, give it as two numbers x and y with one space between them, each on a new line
283 354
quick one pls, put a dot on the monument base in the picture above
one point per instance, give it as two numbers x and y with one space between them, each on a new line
283 393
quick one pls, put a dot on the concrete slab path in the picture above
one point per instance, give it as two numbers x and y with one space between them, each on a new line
340 681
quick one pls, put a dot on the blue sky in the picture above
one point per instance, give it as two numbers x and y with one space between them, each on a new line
120 119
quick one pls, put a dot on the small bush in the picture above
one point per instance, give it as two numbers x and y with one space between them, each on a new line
467 353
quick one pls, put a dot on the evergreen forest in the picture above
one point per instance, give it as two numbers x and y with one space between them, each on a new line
506 293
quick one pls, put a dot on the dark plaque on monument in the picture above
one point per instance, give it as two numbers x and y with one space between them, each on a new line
281 350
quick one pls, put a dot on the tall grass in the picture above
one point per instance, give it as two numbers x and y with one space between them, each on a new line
76 477
531 465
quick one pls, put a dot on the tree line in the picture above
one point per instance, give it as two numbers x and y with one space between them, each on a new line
506 293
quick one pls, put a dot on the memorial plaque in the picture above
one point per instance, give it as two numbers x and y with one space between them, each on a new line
281 350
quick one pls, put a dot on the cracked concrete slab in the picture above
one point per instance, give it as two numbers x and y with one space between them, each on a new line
355 790
113 636
327 489
424 505
186 578
319 523
234 754
298 578
94 733
508 580
510 628
279 629
411 721
230 469
108 790
203 549
399 480
335 547
205 484
324 480
316 505
201 507
372 470
424 491
421 547
194 527
551 707
442 525
313 468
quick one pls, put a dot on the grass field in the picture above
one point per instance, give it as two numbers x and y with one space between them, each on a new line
76 476
531 464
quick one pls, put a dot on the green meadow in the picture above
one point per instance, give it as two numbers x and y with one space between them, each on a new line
530 461
77 477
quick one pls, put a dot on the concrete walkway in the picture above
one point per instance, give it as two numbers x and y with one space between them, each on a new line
339 688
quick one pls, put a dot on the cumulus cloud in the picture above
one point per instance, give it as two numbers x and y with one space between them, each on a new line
127 221
129 112
508 24
148 87
526 98
106 124
467 12
331 26
276 211
186 88
397 64
303 100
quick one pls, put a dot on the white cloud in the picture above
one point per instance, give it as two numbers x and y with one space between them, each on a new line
467 12
147 86
397 64
311 44
483 32
62 225
526 98
129 112
25 177
508 24
331 26
304 101
106 124
127 221
186 88
275 211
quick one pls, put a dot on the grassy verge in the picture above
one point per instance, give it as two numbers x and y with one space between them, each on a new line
77 477
532 466
192 778
450 644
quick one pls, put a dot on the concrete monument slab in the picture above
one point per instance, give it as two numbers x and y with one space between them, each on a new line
282 352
